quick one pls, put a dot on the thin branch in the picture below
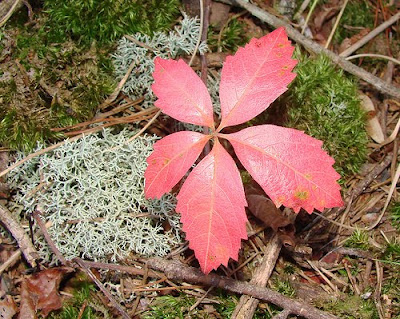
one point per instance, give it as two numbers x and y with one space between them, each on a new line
19 235
370 35
336 24
177 271
48 239
117 306
372 55
9 13
247 305
200 32
317 49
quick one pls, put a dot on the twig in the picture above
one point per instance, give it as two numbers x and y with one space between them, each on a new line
144 127
48 239
9 13
336 24
139 43
119 87
10 261
20 236
282 315
247 305
372 55
370 35
392 189
177 271
392 136
353 282
309 15
303 6
200 32
117 306
317 49
198 302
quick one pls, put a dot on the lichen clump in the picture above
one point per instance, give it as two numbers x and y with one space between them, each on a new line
181 40
91 194
324 103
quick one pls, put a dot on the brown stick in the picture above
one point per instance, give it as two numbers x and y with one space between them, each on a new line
177 271
317 49
247 305
98 283
48 239
20 236
370 35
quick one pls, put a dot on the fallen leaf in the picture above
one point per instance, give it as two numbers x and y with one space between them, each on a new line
373 127
7 308
40 292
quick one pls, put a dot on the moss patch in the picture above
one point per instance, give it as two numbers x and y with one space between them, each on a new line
46 85
323 102
105 21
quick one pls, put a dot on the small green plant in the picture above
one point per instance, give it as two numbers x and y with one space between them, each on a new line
324 103
350 307
358 239
171 307
284 287
395 215
232 37
72 307
105 21
358 15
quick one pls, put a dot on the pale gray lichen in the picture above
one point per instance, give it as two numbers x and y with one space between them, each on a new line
91 194
182 40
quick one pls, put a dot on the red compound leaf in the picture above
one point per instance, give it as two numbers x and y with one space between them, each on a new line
172 157
212 204
254 77
181 93
289 165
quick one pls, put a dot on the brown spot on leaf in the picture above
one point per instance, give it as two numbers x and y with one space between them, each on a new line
302 194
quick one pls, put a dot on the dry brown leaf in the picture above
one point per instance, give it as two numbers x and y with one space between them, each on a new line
7 308
40 292
348 42
266 211
373 127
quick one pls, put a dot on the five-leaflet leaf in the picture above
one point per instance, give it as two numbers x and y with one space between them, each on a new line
290 166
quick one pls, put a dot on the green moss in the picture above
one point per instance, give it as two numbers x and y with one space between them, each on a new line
395 215
324 103
170 307
350 307
359 239
104 21
51 85
358 15
233 36
72 307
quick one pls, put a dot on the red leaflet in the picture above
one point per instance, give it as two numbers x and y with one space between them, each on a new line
254 77
181 93
289 165
212 203
172 157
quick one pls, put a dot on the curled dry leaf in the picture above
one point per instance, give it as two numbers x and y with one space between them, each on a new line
373 128
40 292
